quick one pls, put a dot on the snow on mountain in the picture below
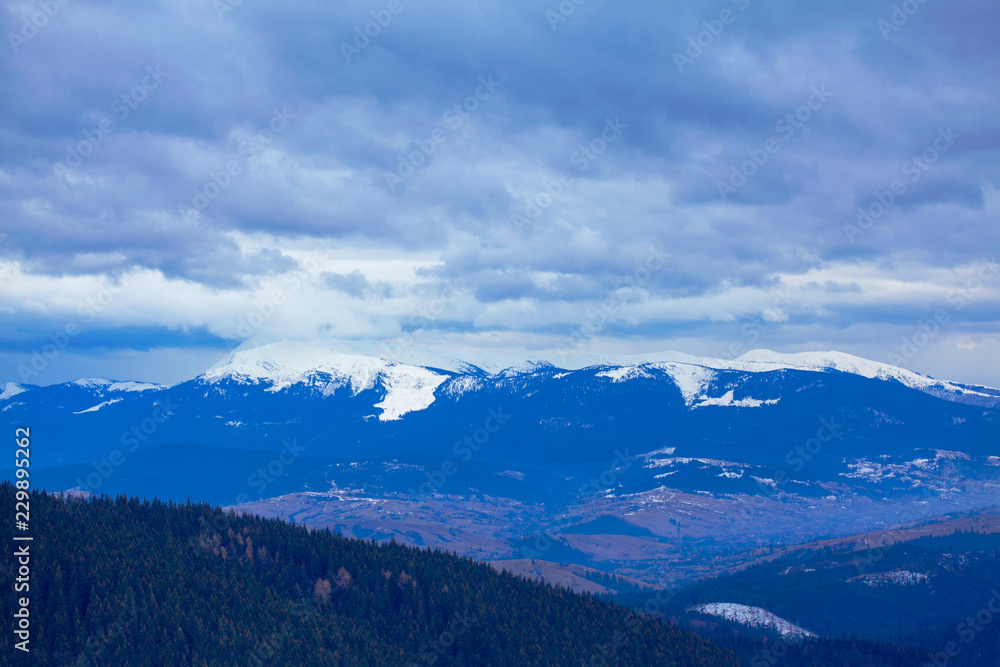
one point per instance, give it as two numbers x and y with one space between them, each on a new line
692 379
408 388
846 363
463 384
98 406
752 616
728 401
133 386
624 373
411 375
693 374
895 577
113 385
10 390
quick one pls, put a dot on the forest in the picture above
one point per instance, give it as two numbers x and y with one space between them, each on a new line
123 581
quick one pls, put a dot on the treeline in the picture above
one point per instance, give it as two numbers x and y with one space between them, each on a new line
122 581
935 600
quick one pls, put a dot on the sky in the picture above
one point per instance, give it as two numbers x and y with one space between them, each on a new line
177 178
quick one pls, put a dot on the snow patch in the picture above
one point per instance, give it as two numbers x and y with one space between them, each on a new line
133 386
624 373
661 463
91 383
407 389
896 578
10 390
98 406
464 384
846 363
752 616
114 385
282 365
947 454
690 379
668 451
727 400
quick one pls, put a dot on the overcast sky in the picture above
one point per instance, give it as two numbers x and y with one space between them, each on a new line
525 177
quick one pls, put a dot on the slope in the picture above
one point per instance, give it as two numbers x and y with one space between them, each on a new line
122 581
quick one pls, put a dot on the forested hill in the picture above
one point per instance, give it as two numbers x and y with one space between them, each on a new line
128 582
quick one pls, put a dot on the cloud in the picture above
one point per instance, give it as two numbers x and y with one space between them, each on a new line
208 153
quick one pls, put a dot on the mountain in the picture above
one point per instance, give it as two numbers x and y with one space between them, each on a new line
934 595
688 464
128 582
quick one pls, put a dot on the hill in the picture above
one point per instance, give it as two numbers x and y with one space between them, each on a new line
128 582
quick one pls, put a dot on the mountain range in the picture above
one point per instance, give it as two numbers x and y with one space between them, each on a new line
645 466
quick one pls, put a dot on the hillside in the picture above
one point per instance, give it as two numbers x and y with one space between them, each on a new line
653 468
129 582
924 594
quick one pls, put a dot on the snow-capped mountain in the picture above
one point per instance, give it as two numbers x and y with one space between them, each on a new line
804 425
279 366
10 390
411 384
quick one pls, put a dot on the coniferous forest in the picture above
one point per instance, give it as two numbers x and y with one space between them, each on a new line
122 581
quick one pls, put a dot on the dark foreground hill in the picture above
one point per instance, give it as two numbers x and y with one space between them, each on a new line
128 582
934 600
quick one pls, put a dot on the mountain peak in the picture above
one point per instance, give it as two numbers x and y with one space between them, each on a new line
10 390
114 385
408 388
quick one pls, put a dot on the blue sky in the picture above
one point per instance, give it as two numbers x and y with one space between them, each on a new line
523 177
